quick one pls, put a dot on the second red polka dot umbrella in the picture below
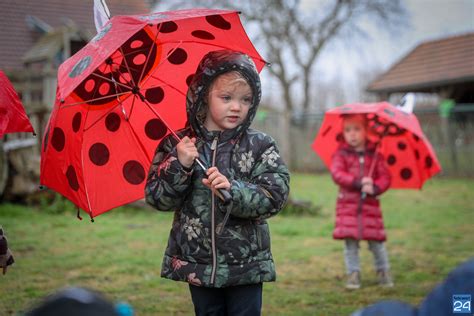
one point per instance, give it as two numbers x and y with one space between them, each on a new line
121 94
409 155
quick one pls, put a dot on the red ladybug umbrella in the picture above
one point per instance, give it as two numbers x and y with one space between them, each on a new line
121 94
408 153
12 114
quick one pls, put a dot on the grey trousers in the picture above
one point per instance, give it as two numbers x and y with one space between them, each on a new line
351 255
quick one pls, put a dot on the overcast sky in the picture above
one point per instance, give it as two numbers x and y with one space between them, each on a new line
430 19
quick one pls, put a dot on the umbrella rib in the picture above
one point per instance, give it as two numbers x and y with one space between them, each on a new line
85 187
148 55
169 85
92 100
119 73
138 138
131 108
144 50
163 121
110 80
102 116
128 69
119 102
161 63
118 99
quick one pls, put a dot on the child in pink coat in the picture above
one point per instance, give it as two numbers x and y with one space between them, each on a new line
358 213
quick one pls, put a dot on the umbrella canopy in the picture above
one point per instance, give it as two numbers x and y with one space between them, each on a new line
12 114
408 153
121 94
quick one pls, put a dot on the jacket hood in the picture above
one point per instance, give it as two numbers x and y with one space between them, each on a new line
211 66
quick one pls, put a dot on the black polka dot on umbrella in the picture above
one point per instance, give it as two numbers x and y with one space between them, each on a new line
339 137
99 154
189 79
218 21
155 95
178 57
203 35
76 122
402 145
167 27
155 129
59 139
417 154
133 172
416 138
391 160
72 178
112 122
428 162
406 173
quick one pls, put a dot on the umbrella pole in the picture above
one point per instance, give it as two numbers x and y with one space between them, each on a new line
374 161
223 194
363 195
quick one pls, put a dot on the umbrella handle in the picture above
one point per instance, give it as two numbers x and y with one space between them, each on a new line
223 194
363 195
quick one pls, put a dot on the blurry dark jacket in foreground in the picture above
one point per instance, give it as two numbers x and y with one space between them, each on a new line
438 303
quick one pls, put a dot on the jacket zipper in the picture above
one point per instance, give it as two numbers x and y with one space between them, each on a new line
213 219
359 208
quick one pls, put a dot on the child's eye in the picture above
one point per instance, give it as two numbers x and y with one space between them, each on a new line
247 101
225 98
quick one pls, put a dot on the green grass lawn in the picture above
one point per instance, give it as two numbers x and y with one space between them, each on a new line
429 233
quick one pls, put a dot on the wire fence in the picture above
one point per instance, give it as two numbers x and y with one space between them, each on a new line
452 138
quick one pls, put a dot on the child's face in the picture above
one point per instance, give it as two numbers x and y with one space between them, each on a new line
354 133
229 101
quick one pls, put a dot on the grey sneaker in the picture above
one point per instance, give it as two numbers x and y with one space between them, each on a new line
385 279
353 281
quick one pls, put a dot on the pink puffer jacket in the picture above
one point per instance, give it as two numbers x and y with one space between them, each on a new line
358 218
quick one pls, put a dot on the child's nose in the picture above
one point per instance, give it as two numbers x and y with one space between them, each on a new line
235 106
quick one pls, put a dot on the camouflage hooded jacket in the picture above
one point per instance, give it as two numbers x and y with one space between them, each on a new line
211 244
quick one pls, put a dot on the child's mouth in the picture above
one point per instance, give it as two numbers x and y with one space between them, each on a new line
232 119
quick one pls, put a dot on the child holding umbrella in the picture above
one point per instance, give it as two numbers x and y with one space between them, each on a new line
221 250
362 176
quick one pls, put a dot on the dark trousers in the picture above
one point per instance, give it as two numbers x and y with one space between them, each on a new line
240 300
